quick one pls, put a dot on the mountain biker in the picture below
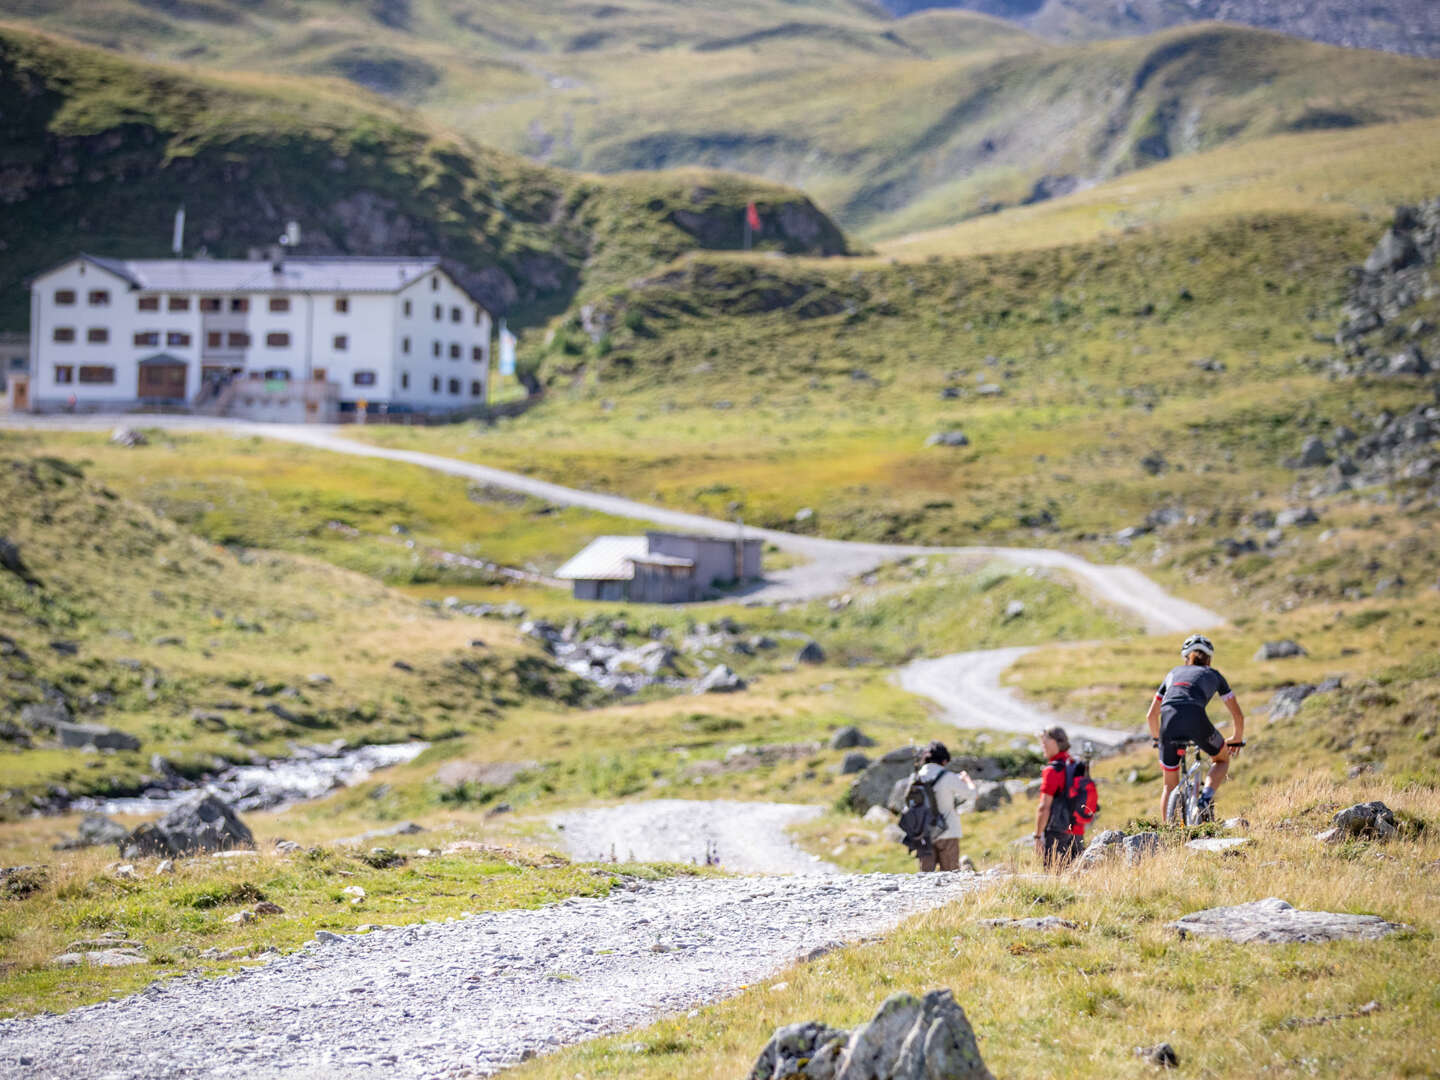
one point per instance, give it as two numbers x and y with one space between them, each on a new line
951 789
1177 716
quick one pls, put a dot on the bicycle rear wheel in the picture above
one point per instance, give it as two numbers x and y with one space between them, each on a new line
1175 806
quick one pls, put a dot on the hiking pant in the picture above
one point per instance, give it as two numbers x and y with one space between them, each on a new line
1061 849
944 856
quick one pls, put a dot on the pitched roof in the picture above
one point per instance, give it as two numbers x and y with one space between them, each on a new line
297 273
606 558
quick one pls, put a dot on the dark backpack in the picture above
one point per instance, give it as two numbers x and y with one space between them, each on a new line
1077 801
920 818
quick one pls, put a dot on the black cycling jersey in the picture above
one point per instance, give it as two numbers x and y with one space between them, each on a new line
1190 684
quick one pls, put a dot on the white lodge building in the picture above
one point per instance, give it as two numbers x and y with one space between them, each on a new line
119 333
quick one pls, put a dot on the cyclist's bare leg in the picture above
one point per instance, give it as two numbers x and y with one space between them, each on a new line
1219 769
1171 778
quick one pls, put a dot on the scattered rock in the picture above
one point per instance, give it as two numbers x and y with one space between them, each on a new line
1273 921
1047 922
18 882
401 665
1297 517
1395 251
101 958
793 1049
203 824
1161 1054
990 795
720 680
1014 610
403 828
326 937
1372 820
1154 463
94 831
811 653
129 437
97 735
853 762
10 560
1313 454
948 438
1279 650
267 907
877 814
1221 844
1287 700
849 737
44 717
241 917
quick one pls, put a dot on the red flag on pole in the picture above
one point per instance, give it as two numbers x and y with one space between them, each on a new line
752 217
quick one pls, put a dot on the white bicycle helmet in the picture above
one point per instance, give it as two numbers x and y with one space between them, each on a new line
1198 643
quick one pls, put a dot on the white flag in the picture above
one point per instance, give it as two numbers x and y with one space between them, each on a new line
507 350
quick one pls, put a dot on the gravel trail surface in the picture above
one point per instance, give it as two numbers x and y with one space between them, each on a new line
832 564
745 837
471 996
967 688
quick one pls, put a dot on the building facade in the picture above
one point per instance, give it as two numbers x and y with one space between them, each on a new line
389 333
660 567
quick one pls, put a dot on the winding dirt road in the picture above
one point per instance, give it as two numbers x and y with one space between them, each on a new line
965 686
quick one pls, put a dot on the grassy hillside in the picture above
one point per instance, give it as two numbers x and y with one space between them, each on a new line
727 382
1343 174
203 651
101 150
1403 26
892 124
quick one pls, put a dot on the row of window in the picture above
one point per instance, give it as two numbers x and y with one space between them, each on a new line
104 375
453 385
93 374
240 339
214 339
208 304
477 352
438 311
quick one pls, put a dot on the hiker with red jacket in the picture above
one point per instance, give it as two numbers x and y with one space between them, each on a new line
1068 802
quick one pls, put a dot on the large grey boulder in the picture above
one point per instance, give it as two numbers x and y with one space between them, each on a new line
811 653
849 737
991 795
1372 820
720 680
45 716
873 786
1280 650
203 824
1394 251
95 831
1275 922
909 1038
792 1050
97 735
855 761
1287 700
1313 453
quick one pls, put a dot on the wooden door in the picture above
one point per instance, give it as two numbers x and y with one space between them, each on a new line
21 396
163 381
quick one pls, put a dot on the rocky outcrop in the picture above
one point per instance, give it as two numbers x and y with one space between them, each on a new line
1275 922
200 825
909 1038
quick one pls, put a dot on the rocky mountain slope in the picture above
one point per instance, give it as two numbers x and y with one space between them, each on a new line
101 150
1398 26
894 124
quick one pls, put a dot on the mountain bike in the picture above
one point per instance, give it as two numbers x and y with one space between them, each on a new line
1184 807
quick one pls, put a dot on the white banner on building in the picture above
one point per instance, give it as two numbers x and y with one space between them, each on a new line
507 350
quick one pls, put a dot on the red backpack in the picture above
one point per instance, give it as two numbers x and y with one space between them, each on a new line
1078 800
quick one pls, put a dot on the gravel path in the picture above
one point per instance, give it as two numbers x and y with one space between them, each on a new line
471 996
967 688
746 837
832 564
